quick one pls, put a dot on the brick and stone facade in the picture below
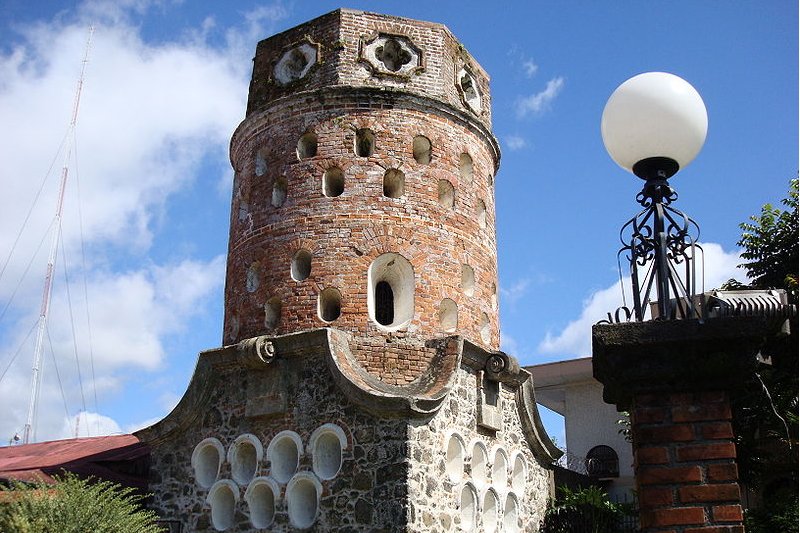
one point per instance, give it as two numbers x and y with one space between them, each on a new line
359 386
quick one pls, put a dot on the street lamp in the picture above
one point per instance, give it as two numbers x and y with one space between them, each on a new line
653 125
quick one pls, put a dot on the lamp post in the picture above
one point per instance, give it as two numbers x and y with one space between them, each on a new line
653 125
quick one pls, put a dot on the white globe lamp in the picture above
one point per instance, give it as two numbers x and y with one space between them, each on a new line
654 124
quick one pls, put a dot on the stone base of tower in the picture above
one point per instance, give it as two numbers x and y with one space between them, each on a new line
290 433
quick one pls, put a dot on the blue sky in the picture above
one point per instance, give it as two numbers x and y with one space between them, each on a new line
167 83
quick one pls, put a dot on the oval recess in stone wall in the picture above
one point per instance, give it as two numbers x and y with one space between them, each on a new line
302 499
454 458
283 453
519 471
490 509
244 455
326 445
222 497
206 461
478 465
468 504
262 495
511 514
500 468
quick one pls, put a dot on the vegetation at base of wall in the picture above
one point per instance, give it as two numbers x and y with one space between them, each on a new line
586 510
74 505
778 514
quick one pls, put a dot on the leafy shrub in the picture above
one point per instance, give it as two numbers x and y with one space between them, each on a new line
74 505
585 510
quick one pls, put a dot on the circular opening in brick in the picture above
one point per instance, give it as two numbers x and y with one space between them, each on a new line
511 514
302 499
301 265
500 468
454 458
307 146
283 454
272 313
447 195
253 277
206 461
261 162
326 445
478 465
518 473
364 143
333 182
421 147
394 183
261 495
222 498
279 191
467 280
465 166
390 300
244 456
330 304
486 335
480 212
448 315
469 507
491 505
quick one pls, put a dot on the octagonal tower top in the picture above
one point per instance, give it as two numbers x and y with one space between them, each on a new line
348 48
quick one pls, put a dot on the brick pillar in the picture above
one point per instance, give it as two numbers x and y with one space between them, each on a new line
675 378
685 463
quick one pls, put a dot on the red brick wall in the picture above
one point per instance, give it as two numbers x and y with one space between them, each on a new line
346 233
685 463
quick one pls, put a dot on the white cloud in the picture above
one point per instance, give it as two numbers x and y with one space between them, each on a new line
541 101
151 115
515 142
575 339
515 292
530 68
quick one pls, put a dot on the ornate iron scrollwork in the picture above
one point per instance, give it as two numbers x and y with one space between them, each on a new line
660 246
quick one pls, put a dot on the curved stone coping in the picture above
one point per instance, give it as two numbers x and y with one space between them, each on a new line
421 398
541 445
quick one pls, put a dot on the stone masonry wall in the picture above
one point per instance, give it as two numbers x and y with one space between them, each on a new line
505 490
367 493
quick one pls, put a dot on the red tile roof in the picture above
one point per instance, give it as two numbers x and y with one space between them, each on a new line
113 458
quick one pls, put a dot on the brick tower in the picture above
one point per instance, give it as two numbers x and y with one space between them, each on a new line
359 387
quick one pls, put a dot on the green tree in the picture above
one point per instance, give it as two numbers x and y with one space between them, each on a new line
770 243
766 409
74 505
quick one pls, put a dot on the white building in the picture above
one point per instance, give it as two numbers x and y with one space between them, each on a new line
594 444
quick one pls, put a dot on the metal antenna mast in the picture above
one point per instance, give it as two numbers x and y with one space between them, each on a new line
51 262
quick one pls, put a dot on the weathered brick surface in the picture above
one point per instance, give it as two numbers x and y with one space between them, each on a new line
684 458
346 233
727 513
676 516
702 452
